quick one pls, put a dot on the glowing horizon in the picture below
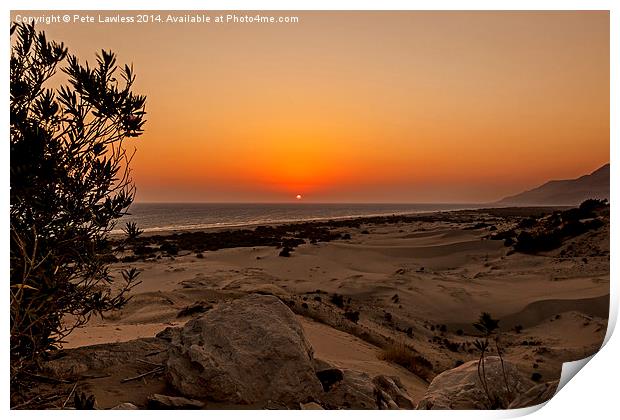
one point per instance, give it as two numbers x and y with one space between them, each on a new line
373 107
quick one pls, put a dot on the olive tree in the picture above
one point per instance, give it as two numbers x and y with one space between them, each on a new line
70 180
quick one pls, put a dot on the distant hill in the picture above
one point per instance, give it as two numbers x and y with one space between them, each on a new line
564 192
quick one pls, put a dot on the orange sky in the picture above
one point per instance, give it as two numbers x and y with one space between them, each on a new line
363 106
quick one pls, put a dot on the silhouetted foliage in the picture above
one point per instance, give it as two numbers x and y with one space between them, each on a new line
591 205
132 230
83 401
410 359
352 316
70 181
169 248
489 327
527 222
337 300
286 252
486 324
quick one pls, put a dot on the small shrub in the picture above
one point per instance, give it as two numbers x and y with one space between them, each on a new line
169 248
451 345
338 300
406 357
132 231
527 223
286 252
352 316
591 205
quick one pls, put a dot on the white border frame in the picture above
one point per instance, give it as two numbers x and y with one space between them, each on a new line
592 394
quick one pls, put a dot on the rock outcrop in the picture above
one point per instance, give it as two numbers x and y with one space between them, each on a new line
461 389
536 395
358 391
166 402
124 406
249 351
74 363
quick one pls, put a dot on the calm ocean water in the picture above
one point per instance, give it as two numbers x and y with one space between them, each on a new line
162 217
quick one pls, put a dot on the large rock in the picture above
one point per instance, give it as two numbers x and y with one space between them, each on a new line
125 406
392 388
358 391
73 364
460 388
166 402
536 395
250 351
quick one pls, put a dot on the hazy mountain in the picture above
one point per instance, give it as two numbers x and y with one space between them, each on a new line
564 192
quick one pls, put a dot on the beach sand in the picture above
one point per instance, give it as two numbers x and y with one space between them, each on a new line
419 283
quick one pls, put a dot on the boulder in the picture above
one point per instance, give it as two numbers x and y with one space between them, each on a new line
329 376
393 387
73 364
355 391
358 391
460 388
124 406
249 351
310 406
536 395
166 402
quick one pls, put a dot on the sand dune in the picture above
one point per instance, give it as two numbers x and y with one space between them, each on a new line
431 279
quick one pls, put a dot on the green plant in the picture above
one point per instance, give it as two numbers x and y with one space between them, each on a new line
70 180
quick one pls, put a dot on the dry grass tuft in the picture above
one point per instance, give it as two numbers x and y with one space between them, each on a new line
405 356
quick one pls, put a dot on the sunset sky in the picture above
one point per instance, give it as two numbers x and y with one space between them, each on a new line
363 106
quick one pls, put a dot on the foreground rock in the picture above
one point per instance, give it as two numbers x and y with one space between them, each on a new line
250 351
461 389
536 395
124 406
166 402
310 406
358 391
76 363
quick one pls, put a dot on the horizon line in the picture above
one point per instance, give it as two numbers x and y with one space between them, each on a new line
316 202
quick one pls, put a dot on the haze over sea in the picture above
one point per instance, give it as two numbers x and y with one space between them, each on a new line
166 217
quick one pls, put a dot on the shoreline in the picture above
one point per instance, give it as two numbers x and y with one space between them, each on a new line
514 211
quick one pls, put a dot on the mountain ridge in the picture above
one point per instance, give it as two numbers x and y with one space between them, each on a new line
564 192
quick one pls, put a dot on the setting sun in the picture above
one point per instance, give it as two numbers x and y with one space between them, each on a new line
298 196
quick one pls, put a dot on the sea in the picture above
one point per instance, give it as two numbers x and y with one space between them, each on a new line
166 217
